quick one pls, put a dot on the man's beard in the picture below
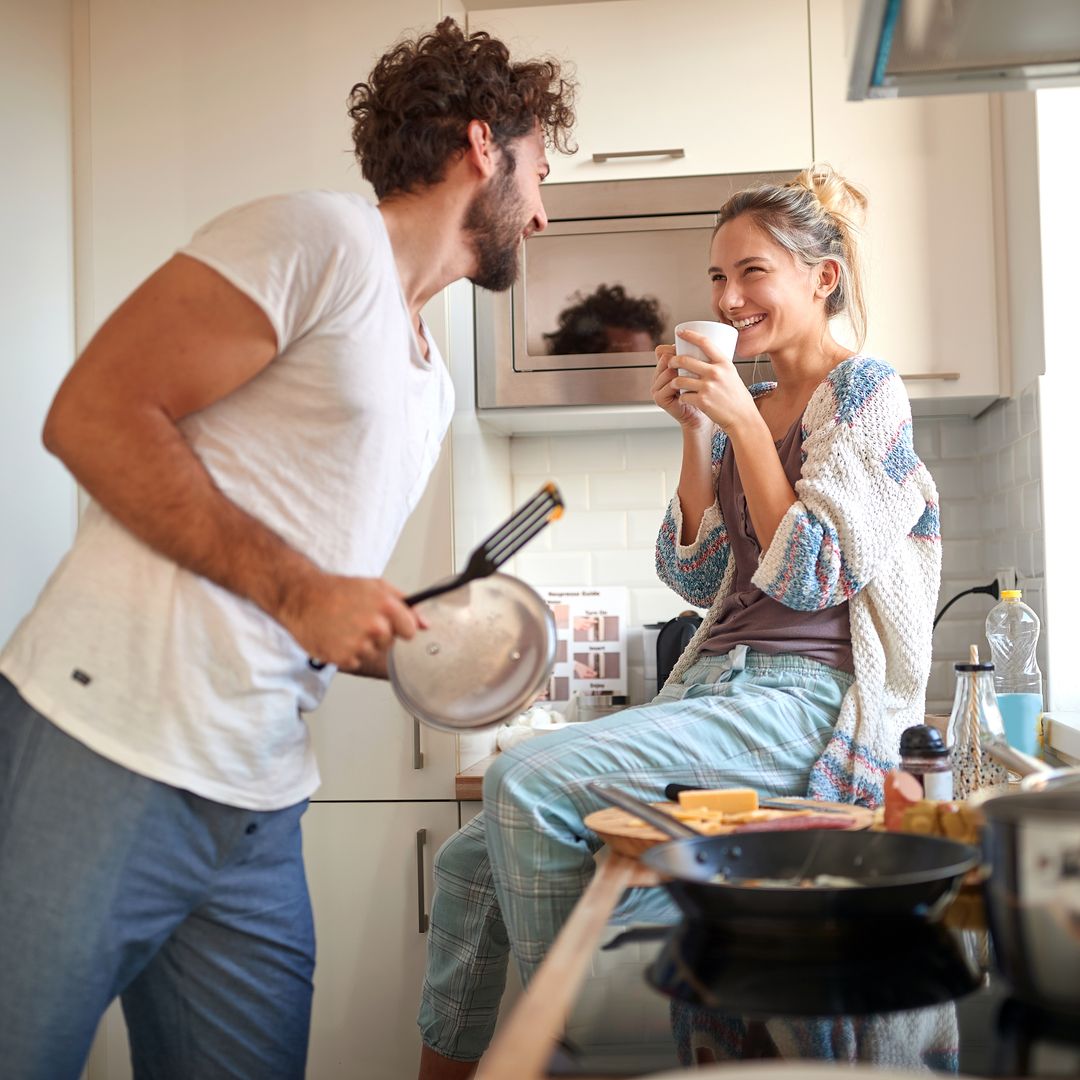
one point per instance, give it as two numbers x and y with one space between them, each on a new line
495 220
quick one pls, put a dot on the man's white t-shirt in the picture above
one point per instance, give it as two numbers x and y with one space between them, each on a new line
331 446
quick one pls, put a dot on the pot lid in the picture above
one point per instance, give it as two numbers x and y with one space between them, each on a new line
486 654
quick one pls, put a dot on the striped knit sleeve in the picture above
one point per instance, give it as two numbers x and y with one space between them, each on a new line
695 571
863 490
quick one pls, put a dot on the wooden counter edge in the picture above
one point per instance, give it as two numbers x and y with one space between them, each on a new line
469 783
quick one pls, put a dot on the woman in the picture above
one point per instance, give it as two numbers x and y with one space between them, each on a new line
807 525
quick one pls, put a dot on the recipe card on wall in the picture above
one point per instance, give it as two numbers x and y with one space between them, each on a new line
590 626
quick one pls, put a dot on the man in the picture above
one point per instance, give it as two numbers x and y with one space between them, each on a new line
254 425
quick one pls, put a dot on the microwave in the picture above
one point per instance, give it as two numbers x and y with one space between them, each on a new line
621 263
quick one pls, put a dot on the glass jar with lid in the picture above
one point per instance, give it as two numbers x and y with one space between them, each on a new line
975 714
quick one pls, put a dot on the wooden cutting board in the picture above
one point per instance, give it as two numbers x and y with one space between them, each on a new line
628 835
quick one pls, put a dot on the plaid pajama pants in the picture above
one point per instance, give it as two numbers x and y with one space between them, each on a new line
510 878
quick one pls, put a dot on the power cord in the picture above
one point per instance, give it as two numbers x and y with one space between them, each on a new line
986 590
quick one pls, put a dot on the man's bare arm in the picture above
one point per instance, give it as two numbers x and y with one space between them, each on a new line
183 340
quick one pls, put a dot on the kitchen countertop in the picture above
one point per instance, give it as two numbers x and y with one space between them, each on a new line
469 783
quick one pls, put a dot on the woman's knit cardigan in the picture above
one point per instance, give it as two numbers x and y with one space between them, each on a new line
865 529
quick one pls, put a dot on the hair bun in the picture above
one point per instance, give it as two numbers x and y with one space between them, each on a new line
838 196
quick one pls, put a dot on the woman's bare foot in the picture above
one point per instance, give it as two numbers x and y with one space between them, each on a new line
433 1066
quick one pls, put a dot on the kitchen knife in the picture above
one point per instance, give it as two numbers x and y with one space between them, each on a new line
672 792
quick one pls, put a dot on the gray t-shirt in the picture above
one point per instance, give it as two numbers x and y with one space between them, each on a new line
748 616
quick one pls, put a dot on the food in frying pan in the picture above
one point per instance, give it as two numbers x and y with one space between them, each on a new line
818 881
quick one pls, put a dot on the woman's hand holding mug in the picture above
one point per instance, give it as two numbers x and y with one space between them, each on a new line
706 372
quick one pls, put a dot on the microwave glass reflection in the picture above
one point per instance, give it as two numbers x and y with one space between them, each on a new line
592 292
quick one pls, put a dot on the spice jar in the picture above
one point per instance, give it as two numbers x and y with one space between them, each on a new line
923 753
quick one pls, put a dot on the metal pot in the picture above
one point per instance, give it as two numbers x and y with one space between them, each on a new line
1031 842
487 653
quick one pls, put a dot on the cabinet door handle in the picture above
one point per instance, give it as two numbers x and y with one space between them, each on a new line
678 152
928 376
417 753
421 902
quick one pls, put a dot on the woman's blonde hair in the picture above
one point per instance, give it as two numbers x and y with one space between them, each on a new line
817 216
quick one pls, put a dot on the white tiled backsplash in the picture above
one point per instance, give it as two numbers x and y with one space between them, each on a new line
617 485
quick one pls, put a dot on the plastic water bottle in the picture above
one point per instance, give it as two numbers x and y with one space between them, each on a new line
1012 629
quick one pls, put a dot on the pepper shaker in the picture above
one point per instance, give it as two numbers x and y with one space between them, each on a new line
923 753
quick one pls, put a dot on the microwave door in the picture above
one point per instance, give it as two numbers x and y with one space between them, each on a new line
604 293
620 264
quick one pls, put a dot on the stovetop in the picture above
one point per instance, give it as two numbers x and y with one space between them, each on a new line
904 995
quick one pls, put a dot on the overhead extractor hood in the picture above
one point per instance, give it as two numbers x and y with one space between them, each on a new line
907 48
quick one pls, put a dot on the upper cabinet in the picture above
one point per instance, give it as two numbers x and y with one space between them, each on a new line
674 87
927 167
186 109
737 92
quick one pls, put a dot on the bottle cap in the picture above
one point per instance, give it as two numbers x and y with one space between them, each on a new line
922 739
1011 594
967 669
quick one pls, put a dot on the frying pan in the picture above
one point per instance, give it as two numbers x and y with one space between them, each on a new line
712 878
899 874
486 654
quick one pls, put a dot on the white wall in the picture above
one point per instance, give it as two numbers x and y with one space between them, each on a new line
1011 497
1059 392
37 496
950 449
1021 242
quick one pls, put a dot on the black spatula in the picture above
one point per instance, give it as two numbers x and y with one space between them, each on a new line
510 537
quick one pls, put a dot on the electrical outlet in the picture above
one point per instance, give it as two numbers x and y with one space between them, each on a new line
1006 578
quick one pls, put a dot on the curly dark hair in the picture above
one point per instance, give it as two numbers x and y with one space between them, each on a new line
582 326
412 114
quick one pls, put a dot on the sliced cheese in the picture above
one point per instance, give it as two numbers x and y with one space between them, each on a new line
728 800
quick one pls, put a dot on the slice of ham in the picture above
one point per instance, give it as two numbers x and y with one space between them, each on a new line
797 822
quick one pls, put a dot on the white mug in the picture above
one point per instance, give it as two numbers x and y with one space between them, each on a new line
722 335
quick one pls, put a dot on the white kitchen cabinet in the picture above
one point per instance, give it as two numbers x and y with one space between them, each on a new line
927 167
362 862
727 88
189 109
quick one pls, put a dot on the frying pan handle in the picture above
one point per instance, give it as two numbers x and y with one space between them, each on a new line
668 825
